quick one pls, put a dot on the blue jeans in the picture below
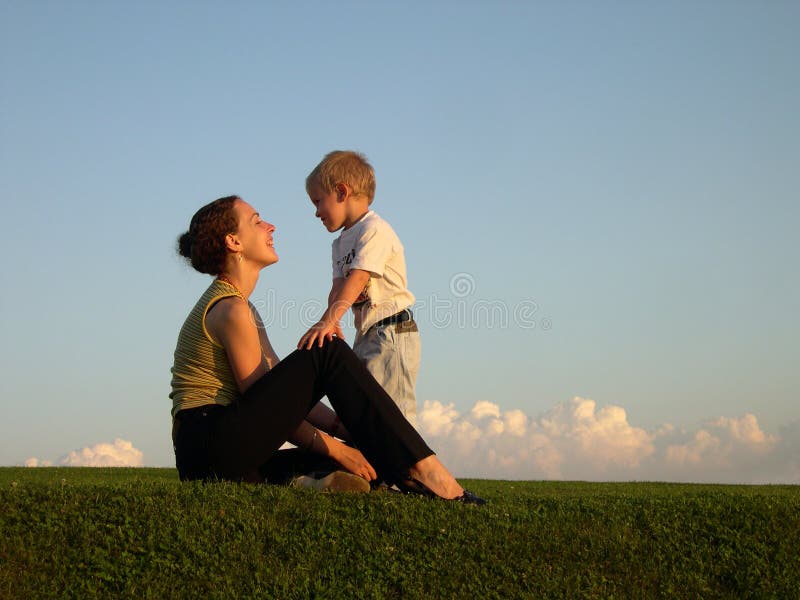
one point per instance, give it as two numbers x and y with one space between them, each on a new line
392 354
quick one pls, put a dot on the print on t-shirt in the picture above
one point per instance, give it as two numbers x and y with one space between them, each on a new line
346 259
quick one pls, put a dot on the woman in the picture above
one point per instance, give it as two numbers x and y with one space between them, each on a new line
235 403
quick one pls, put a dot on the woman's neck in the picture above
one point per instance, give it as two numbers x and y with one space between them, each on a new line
242 280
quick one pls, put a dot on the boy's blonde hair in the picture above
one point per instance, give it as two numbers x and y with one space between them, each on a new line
344 166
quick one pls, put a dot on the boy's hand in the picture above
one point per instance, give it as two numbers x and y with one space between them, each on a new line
319 333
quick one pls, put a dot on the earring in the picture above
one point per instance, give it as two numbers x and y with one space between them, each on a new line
239 256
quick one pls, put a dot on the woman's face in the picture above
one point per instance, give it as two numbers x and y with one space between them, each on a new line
255 235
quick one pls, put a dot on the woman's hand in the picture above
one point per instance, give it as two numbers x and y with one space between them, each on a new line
352 460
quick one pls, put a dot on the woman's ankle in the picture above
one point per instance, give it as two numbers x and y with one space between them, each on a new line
433 474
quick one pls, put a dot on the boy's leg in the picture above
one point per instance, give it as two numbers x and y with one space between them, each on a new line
392 354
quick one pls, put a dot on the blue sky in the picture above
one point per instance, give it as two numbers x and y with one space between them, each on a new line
598 202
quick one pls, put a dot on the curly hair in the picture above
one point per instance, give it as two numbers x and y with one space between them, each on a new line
204 244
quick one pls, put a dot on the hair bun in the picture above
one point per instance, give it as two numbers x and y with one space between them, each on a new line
185 245
204 244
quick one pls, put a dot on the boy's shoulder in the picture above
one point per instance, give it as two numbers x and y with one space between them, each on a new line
371 226
372 221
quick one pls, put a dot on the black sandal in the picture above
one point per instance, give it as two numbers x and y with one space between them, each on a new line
409 485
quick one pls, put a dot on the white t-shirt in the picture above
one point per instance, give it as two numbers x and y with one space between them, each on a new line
372 245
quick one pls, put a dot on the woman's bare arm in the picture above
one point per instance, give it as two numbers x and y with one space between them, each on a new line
266 346
231 324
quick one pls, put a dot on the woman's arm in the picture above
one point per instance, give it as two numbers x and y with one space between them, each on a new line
232 325
266 347
312 439
324 418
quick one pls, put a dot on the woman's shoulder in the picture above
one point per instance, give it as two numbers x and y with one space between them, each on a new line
228 308
228 314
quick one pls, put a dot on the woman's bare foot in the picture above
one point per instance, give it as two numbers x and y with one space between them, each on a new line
432 473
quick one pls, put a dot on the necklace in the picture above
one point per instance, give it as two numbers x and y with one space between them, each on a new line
233 285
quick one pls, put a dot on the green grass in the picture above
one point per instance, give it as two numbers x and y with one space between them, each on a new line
84 533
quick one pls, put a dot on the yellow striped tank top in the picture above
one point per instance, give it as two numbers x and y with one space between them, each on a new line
201 373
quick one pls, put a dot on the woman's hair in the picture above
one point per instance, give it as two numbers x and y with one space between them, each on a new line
204 244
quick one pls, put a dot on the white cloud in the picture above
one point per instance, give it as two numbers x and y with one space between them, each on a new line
724 447
119 453
576 440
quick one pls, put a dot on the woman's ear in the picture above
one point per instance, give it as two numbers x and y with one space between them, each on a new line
232 242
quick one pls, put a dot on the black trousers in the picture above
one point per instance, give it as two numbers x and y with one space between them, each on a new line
237 442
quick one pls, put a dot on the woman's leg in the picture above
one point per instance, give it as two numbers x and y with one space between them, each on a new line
191 432
249 432
285 465
376 424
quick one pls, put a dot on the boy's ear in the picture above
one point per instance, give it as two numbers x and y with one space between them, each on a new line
342 191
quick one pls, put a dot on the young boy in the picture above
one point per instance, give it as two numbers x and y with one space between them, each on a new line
369 274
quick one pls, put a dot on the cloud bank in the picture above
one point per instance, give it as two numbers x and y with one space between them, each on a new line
576 440
119 453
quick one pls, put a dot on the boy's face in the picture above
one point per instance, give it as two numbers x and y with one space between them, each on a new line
331 208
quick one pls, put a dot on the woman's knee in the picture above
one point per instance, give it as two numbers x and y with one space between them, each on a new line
333 347
338 342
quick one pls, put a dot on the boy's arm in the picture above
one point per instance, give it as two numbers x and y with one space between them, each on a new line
340 299
337 284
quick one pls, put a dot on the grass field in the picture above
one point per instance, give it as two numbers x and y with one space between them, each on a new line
84 533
